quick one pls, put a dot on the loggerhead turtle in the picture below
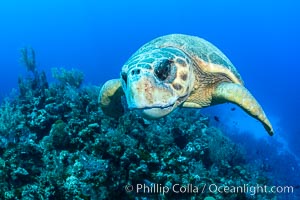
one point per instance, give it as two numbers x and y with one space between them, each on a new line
178 71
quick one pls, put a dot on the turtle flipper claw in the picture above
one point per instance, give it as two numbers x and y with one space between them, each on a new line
110 98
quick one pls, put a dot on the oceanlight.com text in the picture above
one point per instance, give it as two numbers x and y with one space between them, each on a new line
206 188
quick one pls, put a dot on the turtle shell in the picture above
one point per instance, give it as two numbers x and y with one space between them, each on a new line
207 56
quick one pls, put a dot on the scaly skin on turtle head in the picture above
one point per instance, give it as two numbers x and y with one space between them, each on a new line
156 82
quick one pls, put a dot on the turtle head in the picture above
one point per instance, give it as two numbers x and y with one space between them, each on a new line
158 81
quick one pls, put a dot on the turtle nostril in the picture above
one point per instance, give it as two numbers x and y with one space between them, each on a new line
135 72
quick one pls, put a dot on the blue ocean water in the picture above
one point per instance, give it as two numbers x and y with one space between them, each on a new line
261 38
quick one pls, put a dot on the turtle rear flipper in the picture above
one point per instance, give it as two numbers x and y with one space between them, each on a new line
110 98
239 95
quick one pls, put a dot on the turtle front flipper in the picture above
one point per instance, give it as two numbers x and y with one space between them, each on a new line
238 94
110 98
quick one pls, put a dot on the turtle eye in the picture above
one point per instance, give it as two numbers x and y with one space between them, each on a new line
163 70
124 77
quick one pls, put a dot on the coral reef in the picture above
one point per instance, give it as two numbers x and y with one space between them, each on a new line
56 143
28 58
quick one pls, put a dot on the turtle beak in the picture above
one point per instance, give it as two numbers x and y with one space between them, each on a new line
146 94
